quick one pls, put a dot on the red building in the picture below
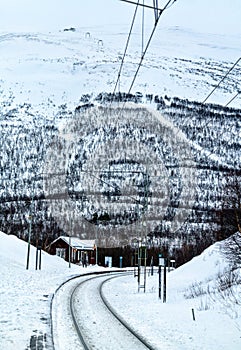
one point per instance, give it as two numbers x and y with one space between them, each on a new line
81 251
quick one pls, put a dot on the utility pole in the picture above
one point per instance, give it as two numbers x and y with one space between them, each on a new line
96 246
160 282
30 229
29 239
70 250
31 218
165 282
160 263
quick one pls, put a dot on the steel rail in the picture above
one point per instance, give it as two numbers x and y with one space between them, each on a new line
120 319
80 334
77 327
64 283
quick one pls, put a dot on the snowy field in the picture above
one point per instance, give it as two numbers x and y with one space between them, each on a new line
26 296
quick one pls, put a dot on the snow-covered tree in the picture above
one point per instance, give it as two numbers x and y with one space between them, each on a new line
232 218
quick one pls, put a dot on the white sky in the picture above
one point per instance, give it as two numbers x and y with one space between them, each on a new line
215 16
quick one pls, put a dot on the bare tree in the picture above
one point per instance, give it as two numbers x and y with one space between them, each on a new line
232 217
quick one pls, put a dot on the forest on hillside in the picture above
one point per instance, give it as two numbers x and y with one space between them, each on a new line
132 187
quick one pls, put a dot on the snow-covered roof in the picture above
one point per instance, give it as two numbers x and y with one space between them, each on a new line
77 243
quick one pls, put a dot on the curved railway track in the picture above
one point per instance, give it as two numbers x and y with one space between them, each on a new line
93 320
142 340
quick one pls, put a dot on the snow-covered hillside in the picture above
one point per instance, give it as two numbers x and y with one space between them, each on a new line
42 60
26 296
149 151
57 56
63 65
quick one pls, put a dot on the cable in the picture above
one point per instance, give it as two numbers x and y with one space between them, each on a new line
219 84
155 5
232 99
147 6
222 79
148 43
142 28
171 4
127 43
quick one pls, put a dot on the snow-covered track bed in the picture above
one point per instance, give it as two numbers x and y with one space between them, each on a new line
83 318
143 340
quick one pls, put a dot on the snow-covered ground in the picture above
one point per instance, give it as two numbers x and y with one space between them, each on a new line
26 296
170 325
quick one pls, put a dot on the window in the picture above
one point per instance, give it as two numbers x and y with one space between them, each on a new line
60 252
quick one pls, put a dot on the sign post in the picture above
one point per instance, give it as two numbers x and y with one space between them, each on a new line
40 251
36 267
165 282
152 266
38 257
121 258
108 261
160 281
160 263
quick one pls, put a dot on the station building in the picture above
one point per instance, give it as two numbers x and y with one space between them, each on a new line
78 250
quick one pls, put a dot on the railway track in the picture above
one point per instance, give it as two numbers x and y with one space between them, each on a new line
92 323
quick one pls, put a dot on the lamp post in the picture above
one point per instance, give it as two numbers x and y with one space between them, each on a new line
70 250
30 223
30 219
142 257
96 246
135 246
29 239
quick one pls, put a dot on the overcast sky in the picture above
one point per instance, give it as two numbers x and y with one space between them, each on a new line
214 16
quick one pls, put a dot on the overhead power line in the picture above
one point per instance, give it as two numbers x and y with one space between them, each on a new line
157 12
155 4
233 98
147 6
142 28
222 80
127 44
148 43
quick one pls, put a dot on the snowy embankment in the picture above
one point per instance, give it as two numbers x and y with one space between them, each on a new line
26 294
192 286
26 297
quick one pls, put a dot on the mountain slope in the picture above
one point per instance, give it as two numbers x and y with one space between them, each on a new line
48 69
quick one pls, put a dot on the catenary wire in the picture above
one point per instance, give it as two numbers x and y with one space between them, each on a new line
126 47
233 98
142 28
168 5
230 69
147 6
148 44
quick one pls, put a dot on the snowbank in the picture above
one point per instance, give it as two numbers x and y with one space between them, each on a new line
201 268
26 294
14 251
